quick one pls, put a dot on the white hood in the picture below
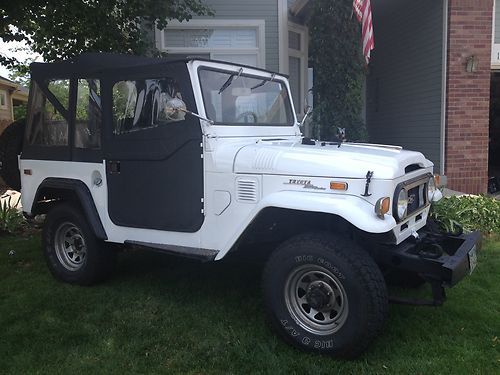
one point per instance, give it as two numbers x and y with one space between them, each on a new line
349 160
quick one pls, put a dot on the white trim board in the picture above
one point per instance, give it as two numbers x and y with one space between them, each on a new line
442 154
283 36
258 25
303 56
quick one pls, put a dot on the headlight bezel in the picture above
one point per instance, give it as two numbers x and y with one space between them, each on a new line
397 206
407 186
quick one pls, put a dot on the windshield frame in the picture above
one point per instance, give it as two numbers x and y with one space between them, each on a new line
229 72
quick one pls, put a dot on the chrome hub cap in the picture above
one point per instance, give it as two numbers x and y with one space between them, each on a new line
316 299
70 246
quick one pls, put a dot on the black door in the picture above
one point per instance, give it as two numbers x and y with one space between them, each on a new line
154 165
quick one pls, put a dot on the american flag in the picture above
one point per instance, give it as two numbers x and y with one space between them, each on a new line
363 11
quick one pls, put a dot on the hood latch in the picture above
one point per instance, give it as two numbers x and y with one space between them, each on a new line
369 176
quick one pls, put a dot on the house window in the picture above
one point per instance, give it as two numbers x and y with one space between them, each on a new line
297 64
3 99
238 41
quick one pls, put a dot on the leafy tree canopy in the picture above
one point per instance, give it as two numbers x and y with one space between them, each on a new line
65 28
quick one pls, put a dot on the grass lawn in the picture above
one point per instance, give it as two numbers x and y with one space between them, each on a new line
160 314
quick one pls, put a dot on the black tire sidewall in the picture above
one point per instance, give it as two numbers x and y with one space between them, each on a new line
11 142
359 307
91 268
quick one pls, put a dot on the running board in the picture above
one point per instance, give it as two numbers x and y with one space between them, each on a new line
204 255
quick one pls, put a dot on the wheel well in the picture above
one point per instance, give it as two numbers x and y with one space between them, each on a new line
274 225
53 191
48 197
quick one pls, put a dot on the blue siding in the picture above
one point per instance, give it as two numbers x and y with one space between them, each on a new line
266 10
404 85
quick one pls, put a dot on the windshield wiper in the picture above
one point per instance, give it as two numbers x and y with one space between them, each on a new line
263 82
229 81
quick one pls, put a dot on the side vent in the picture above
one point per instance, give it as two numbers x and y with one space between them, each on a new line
247 190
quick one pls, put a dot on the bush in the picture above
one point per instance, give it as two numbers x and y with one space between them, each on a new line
339 70
470 212
11 220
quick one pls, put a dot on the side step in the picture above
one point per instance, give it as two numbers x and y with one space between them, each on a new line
204 255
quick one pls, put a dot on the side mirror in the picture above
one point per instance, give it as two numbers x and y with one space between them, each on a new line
307 108
175 109
308 103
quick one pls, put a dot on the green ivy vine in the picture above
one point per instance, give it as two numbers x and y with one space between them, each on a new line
339 70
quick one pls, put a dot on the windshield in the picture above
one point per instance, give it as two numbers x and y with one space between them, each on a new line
233 98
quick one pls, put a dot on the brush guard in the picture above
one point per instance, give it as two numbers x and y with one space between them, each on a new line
442 259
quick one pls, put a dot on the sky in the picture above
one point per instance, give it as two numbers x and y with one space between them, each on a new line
9 49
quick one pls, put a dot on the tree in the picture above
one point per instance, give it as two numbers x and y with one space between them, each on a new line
65 28
339 69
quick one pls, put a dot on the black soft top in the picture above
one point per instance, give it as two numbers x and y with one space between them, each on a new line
95 63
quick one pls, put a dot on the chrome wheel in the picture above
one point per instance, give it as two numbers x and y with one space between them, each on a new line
316 299
70 246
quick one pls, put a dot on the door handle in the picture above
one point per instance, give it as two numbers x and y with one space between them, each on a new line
113 166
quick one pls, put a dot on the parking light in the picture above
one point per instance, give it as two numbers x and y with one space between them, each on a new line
382 206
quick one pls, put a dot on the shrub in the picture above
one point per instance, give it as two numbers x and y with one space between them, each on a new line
11 220
470 212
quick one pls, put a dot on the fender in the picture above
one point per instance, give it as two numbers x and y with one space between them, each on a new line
356 211
84 197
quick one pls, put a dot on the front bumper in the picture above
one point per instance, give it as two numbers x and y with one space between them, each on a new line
439 258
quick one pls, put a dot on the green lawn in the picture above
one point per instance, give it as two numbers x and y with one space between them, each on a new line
160 314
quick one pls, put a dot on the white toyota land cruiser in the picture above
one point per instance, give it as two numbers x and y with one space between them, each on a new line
198 158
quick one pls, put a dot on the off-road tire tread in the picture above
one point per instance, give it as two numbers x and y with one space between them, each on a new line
361 262
11 143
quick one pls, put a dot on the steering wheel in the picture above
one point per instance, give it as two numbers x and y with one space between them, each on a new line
246 115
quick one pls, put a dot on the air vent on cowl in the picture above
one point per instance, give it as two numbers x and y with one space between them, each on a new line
247 190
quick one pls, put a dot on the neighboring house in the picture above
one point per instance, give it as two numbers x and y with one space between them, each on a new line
11 95
428 85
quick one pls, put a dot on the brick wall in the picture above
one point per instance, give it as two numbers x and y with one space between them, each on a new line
468 95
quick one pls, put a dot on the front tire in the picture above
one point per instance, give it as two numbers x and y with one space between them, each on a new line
72 251
325 294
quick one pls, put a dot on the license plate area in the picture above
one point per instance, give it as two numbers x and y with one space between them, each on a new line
472 259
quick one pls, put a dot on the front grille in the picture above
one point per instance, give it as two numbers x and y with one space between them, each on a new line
416 198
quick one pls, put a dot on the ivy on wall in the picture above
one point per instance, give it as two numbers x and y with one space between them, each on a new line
339 70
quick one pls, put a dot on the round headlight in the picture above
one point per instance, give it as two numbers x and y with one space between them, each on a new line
431 189
402 203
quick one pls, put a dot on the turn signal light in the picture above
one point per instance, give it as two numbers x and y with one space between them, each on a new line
335 185
382 206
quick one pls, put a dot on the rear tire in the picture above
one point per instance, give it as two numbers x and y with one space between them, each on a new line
11 144
72 251
324 294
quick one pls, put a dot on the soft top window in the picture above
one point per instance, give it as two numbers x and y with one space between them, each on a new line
47 125
140 104
233 98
